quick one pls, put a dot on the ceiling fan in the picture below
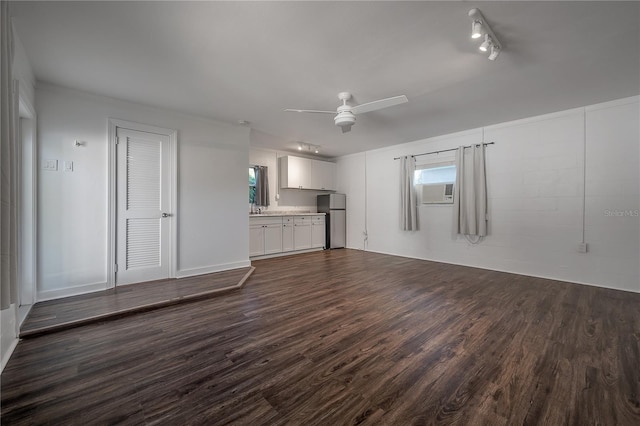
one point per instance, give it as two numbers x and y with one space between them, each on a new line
345 116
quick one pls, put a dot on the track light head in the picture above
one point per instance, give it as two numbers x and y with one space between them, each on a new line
299 147
476 29
495 51
486 43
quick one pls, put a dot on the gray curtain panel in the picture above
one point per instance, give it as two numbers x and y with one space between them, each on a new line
408 206
470 197
262 186
9 161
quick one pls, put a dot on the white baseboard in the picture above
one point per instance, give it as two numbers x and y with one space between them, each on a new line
70 291
23 312
183 273
8 353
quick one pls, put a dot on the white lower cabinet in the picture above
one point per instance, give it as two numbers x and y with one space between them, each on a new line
317 231
301 232
287 233
273 238
282 234
256 240
265 235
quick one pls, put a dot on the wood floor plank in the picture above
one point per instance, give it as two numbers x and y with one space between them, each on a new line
346 337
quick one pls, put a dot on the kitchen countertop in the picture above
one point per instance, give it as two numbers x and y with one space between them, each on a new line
276 214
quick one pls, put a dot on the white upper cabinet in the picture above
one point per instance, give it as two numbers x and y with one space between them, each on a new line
303 173
323 175
295 172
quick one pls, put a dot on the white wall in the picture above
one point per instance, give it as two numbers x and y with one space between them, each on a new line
212 205
535 174
351 181
287 199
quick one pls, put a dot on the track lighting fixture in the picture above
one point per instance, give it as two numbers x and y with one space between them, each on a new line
308 147
479 27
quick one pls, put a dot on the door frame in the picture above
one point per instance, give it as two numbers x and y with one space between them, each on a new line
112 212
28 112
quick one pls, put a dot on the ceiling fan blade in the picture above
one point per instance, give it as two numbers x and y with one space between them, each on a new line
382 103
346 129
310 110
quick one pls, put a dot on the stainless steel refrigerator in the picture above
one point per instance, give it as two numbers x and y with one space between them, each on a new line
335 207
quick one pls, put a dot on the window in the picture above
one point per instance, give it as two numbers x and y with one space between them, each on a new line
434 182
434 173
252 185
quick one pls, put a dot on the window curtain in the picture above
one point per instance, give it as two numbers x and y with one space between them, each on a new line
408 205
262 186
8 159
470 196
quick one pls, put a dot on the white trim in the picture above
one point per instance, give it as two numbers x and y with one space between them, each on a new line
24 102
172 134
23 311
71 291
211 269
8 353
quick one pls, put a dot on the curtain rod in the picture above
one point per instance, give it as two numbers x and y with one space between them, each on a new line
446 150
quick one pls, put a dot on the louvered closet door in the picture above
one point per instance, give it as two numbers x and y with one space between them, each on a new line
142 250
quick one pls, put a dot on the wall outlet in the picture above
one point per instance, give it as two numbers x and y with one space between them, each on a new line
582 248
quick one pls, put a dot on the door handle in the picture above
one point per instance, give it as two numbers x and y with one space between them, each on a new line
165 215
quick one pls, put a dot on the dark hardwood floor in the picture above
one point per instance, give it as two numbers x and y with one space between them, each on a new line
69 312
346 337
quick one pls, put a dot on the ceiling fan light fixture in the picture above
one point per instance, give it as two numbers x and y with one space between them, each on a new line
345 117
476 29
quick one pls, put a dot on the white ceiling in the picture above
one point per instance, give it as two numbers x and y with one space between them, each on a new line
250 60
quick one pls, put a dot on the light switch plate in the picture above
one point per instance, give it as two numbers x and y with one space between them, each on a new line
51 165
68 166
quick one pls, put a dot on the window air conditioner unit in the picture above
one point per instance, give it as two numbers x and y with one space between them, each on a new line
437 193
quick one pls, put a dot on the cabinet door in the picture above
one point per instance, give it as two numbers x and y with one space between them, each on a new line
317 234
323 175
256 240
287 236
295 172
302 236
272 238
